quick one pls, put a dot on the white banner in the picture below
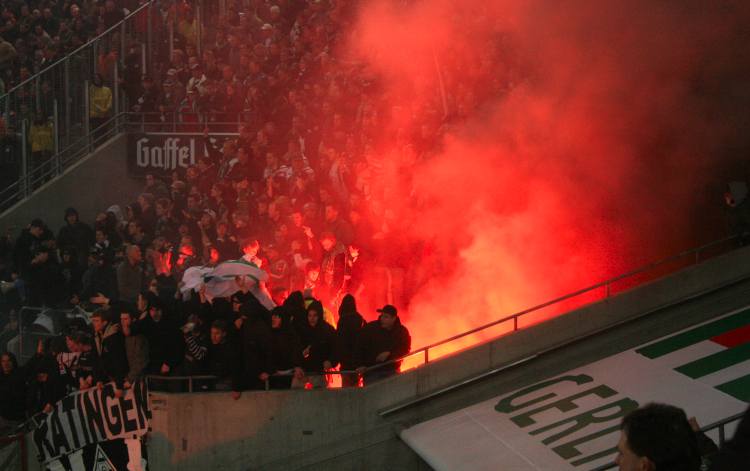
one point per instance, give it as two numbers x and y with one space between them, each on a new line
571 421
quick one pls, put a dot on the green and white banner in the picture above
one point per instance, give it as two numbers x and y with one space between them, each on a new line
571 422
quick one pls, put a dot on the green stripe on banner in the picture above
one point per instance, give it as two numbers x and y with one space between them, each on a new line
739 388
698 334
716 362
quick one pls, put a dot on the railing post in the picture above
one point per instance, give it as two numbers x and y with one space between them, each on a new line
149 38
123 49
199 29
86 115
426 355
116 88
190 384
170 23
67 95
24 160
606 290
515 323
722 437
56 124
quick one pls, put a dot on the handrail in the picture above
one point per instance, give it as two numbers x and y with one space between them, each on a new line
190 379
603 284
719 424
89 43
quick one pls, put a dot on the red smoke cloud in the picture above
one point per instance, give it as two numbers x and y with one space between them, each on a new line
579 140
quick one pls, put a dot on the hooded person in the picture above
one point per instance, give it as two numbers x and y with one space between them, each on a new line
76 235
255 335
166 345
45 387
384 341
12 391
348 329
318 340
109 346
286 351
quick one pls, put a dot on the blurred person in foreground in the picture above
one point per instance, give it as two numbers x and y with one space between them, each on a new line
657 437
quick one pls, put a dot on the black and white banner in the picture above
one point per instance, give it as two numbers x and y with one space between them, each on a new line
161 154
94 421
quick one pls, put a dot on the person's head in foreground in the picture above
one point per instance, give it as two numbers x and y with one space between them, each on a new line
657 437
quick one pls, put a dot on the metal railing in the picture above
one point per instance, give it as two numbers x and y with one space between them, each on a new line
209 379
40 323
637 277
719 425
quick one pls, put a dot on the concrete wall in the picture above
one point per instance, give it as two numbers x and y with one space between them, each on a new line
342 429
91 185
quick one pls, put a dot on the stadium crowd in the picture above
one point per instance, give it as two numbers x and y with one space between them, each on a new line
285 196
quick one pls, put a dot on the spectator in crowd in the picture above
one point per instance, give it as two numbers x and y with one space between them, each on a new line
381 341
136 348
12 393
318 340
45 387
76 235
166 347
42 139
657 437
130 279
348 329
223 359
286 351
112 361
100 106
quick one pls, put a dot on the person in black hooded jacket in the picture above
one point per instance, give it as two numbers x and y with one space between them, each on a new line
294 305
109 346
165 342
45 387
318 341
286 351
12 391
256 343
348 329
76 235
223 359
383 340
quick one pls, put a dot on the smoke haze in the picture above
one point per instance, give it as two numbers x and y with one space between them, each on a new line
582 138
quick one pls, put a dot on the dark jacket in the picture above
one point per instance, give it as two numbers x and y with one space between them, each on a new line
347 331
40 393
374 339
12 395
136 349
165 343
112 359
322 342
78 236
224 361
286 351
129 281
256 349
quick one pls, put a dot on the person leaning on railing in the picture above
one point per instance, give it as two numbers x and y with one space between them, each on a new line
382 341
